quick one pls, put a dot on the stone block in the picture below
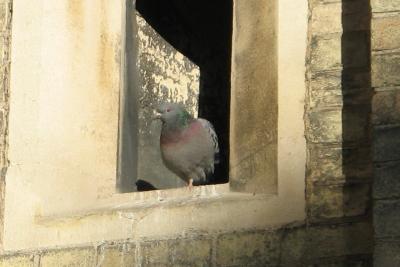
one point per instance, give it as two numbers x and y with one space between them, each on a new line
356 15
387 253
324 164
355 123
179 252
387 180
385 70
17 260
355 49
387 218
338 16
129 257
121 255
110 256
303 246
386 107
326 80
326 98
336 201
355 79
71 257
294 246
326 18
326 52
385 33
357 162
386 143
338 97
325 126
334 51
327 245
339 240
314 3
385 5
332 90
155 253
325 89
329 164
336 125
338 80
257 248
189 252
357 261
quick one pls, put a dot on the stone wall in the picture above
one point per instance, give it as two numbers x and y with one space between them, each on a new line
5 47
337 111
292 246
339 165
386 130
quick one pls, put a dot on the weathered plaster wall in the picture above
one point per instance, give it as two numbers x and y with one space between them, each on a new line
5 47
386 130
63 129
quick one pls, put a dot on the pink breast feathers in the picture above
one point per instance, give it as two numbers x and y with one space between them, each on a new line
180 137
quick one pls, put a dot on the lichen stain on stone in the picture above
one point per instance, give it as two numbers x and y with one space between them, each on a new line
167 74
75 11
76 14
106 53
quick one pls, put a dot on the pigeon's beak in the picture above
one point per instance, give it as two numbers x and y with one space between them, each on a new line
157 116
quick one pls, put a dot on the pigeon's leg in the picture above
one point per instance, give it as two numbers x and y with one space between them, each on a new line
190 184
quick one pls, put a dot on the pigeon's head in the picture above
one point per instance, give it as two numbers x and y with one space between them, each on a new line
172 113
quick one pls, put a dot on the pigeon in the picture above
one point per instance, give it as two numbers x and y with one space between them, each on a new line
189 146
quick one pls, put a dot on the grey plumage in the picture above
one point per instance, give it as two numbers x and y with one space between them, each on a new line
189 146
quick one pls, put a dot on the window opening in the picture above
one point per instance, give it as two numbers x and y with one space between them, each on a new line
201 32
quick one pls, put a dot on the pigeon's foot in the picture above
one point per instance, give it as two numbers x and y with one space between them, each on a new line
190 184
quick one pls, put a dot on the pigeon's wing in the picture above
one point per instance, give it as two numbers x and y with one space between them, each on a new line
213 136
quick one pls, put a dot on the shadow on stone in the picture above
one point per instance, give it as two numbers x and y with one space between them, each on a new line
356 113
142 185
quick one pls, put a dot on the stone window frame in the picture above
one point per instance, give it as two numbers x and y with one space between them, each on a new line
253 110
216 207
280 202
147 77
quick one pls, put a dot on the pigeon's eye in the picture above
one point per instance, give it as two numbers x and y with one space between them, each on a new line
168 110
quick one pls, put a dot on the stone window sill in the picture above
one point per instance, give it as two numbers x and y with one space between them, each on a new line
165 214
147 200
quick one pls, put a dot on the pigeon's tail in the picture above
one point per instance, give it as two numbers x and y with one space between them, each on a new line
209 179
214 138
201 182
216 157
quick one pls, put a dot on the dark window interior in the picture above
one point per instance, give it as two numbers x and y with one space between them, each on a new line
202 31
